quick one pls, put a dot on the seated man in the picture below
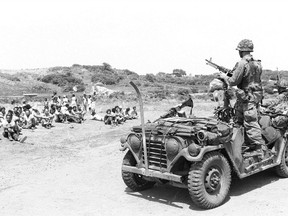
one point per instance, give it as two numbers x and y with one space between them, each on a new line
109 118
119 117
47 119
36 114
128 113
59 116
29 121
134 113
11 130
72 116
78 112
17 117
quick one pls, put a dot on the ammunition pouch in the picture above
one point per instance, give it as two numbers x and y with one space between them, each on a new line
270 134
249 95
242 95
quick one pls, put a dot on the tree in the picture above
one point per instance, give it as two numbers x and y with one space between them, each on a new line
150 77
179 72
161 74
107 67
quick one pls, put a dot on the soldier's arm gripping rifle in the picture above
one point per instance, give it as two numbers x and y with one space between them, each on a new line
218 67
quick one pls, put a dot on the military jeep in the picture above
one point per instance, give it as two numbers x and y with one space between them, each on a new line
198 153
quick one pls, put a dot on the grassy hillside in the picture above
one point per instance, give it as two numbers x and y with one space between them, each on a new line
63 79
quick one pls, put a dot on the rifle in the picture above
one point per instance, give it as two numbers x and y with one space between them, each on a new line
218 67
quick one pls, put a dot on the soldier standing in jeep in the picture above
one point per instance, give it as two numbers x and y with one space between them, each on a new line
246 75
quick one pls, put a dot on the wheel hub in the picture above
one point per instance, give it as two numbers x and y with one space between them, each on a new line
212 180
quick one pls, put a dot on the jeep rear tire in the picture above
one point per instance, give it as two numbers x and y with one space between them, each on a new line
282 168
209 180
134 181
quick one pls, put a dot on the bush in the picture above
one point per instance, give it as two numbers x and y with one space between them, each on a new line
107 79
40 88
150 78
182 91
159 93
118 95
179 72
61 79
10 77
128 72
133 77
194 90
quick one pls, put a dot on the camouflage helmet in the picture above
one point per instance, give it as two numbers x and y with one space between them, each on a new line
245 45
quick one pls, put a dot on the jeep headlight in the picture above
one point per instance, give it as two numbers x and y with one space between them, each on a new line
135 142
193 149
172 148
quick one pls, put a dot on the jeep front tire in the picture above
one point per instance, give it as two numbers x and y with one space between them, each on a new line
134 181
209 180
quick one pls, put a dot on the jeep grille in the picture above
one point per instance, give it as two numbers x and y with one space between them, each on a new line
156 153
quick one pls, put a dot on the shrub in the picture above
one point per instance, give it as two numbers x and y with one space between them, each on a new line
182 91
61 79
133 77
107 79
194 90
150 77
128 72
40 88
10 77
118 95
179 72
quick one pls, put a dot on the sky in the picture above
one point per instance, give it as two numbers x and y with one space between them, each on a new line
144 36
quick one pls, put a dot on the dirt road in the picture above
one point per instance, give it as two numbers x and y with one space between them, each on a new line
76 170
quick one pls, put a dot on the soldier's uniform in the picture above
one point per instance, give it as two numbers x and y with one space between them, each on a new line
247 77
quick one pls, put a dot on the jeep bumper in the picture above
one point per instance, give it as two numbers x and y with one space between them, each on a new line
153 173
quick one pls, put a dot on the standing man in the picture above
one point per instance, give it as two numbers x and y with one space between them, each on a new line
246 75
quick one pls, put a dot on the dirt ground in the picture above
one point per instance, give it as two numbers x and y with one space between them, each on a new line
75 169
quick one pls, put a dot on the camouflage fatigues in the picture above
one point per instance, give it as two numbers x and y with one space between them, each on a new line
247 77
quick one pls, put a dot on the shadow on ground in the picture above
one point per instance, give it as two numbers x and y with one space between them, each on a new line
164 194
175 197
259 180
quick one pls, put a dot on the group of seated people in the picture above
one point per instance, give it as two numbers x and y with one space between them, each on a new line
14 120
117 115
60 110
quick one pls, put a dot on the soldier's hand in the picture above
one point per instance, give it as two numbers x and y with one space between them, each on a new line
222 77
